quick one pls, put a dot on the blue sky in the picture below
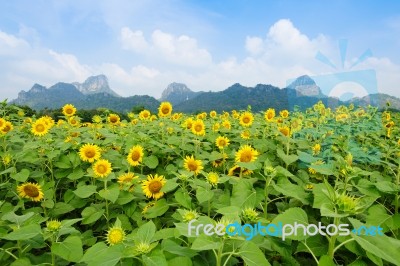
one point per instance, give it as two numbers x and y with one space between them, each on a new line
142 46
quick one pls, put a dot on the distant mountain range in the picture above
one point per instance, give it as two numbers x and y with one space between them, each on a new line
95 92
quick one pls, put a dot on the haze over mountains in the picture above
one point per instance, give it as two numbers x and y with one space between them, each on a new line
95 92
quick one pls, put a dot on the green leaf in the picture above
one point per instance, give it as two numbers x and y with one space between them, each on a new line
317 244
183 198
61 208
251 165
386 186
85 191
91 215
325 260
160 207
21 176
305 157
181 261
252 255
384 247
110 194
203 194
243 194
151 161
154 260
146 232
325 169
76 174
17 219
24 232
204 242
285 187
70 249
292 216
102 255
170 185
172 247
288 159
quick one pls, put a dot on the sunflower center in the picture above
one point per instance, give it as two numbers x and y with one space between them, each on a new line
165 110
40 128
269 115
31 191
192 166
246 157
68 111
113 120
246 120
90 153
101 169
115 236
155 186
222 142
135 156
198 128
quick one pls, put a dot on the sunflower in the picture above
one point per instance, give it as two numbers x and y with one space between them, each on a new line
144 115
47 120
215 127
316 149
32 191
135 155
188 123
115 235
97 119
284 113
126 180
198 127
246 119
102 168
213 178
246 154
113 119
222 142
192 165
7 127
226 124
189 215
296 125
39 128
219 162
74 121
165 109
69 110
236 169
153 185
269 115
53 225
285 130
245 134
2 123
213 114
89 153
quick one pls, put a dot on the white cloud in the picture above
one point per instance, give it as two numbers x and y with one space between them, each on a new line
178 50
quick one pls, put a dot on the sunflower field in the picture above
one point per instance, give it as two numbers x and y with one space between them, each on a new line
117 192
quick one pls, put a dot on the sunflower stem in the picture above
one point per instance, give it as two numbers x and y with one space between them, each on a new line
107 213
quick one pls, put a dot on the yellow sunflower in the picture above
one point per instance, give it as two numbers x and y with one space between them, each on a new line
269 115
213 178
2 123
246 119
222 142
284 113
113 119
213 114
193 165
126 180
215 127
316 149
144 115
39 128
69 110
89 153
285 130
135 155
188 123
165 109
74 121
245 134
31 191
153 185
115 235
7 127
246 154
226 124
198 127
235 171
102 168
219 162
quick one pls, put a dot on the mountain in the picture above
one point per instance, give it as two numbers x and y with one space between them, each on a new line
377 99
259 97
95 84
177 93
91 94
306 86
